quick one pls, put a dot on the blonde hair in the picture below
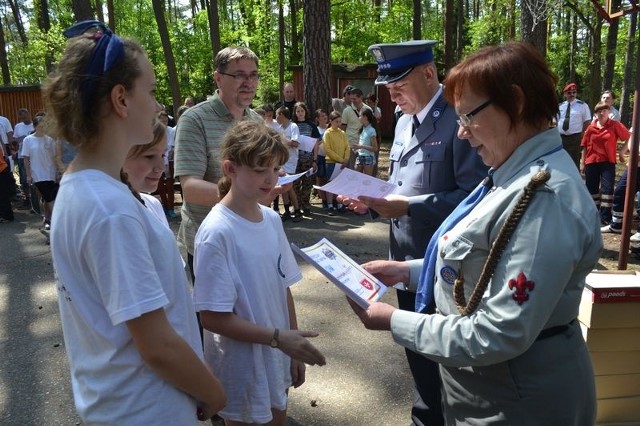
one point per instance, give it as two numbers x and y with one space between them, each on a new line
251 143
69 115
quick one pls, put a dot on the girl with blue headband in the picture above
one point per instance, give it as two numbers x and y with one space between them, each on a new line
128 319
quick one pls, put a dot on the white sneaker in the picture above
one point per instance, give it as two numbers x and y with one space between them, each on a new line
635 238
608 230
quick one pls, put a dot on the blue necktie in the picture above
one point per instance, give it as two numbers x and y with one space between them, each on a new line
425 296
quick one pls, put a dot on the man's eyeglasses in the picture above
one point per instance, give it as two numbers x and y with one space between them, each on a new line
240 77
573 92
465 119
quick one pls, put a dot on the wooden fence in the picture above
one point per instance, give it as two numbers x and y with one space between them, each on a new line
13 98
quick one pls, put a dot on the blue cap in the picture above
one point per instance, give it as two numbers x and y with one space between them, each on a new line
397 60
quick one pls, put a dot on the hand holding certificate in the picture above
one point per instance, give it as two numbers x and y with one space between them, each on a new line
344 272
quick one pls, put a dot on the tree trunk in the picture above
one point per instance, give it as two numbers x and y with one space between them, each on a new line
417 20
112 15
449 39
628 87
574 48
99 11
158 11
294 54
610 54
534 29
18 21
214 26
460 28
4 64
82 10
281 43
41 9
317 56
595 63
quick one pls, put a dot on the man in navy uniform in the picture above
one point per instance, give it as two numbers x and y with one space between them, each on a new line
574 116
433 171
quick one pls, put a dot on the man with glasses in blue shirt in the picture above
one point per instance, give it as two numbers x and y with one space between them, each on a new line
199 137
433 171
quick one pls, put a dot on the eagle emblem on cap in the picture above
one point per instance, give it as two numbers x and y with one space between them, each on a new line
377 53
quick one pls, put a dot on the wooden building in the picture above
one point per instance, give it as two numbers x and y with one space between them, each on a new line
13 98
360 76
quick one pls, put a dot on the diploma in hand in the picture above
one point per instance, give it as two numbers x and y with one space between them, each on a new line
344 272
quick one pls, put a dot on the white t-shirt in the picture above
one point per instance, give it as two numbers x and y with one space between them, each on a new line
291 132
5 127
41 151
114 263
155 206
171 143
246 267
20 132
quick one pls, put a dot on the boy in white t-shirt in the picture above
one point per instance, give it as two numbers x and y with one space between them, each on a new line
39 152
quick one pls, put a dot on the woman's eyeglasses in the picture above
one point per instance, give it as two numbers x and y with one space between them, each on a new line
464 120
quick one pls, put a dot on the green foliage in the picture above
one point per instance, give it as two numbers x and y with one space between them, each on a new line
355 24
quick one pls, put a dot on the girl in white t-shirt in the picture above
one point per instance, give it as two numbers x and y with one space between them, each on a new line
127 315
243 269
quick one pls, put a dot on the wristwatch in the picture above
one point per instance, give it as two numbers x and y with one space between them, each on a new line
274 339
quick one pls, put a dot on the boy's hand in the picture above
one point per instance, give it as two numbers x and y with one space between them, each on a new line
295 344
298 370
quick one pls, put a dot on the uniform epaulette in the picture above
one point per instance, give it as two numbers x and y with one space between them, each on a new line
579 101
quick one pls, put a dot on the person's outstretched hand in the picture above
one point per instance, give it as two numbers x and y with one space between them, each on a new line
295 344
392 206
377 317
353 204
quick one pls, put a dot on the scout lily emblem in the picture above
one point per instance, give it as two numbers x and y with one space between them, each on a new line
522 286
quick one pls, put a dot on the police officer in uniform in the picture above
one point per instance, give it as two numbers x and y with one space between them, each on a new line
573 118
433 171
506 275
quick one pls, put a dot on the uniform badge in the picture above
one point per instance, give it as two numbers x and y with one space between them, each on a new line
436 113
377 53
521 287
448 274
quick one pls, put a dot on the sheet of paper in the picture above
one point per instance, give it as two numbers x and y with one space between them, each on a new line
283 180
336 171
344 272
354 184
306 143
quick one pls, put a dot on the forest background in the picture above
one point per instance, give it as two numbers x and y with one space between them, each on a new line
181 37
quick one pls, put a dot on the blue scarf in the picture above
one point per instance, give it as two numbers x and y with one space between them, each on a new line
425 299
